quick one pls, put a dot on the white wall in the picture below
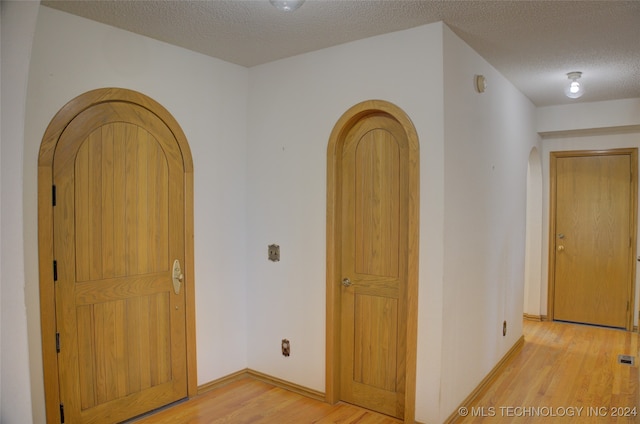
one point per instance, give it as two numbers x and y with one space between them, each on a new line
488 139
586 126
594 115
18 21
208 97
474 173
294 104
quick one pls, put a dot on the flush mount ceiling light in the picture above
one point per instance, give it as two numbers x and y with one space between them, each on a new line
286 5
574 88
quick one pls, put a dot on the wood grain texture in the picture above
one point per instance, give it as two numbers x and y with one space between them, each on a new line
592 237
377 204
558 364
99 362
372 231
376 342
100 177
593 214
121 212
47 295
252 401
564 365
374 258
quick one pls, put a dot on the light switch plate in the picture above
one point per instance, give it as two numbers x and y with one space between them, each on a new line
286 347
274 253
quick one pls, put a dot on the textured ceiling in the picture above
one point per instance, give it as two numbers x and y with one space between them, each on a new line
533 43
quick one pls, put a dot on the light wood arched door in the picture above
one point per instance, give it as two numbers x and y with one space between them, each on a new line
120 261
372 259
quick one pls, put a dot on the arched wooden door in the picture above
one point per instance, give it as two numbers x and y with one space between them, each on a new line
119 171
372 259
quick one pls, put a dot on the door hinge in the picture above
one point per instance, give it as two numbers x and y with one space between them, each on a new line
62 413
53 195
55 270
58 342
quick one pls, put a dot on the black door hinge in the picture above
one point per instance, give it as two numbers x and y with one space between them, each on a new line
58 342
53 195
55 270
62 413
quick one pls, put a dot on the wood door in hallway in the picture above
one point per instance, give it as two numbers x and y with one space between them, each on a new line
119 222
593 243
374 260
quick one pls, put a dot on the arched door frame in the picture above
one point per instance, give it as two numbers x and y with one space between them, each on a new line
333 270
45 232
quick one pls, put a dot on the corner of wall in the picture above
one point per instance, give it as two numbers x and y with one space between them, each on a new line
485 208
18 400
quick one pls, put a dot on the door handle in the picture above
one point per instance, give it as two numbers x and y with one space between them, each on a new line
346 282
177 276
560 248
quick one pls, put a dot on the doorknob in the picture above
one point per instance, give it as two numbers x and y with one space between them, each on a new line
560 248
346 282
177 276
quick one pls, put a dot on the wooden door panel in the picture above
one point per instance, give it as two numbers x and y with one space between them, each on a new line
371 363
593 240
120 409
377 204
119 224
374 258
376 337
121 192
124 348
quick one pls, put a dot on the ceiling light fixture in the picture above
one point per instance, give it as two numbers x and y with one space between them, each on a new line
574 88
286 5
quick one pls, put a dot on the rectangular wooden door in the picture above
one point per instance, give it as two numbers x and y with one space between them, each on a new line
594 237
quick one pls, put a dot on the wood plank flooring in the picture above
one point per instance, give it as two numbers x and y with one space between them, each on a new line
561 368
253 401
566 373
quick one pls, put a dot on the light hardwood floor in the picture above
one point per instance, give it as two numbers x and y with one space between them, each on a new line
253 401
564 369
561 368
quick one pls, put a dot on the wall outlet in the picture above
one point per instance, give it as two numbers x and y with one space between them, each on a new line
286 348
